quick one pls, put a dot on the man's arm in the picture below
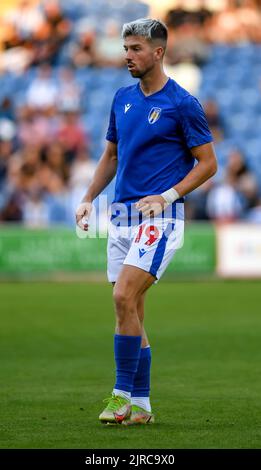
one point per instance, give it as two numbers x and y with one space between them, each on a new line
206 167
103 175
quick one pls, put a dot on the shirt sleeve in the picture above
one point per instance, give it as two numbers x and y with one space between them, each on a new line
112 131
194 123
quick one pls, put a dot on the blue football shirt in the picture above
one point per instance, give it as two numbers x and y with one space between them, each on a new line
154 135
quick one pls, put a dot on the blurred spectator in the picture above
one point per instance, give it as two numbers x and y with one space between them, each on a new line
238 22
225 26
249 16
69 98
15 59
214 120
109 46
196 202
56 199
254 214
181 15
187 42
43 91
82 170
7 109
20 25
35 210
52 34
229 200
7 129
71 134
12 211
186 73
82 52
55 160
13 169
5 151
187 34
224 203
60 26
243 180
36 127
25 19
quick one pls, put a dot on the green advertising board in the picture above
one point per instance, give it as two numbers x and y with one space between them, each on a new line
198 254
59 250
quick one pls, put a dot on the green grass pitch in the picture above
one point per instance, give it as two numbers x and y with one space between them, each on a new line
56 350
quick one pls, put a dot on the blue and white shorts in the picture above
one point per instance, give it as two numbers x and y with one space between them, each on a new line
149 246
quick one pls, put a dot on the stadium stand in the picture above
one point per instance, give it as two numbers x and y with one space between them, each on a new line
58 74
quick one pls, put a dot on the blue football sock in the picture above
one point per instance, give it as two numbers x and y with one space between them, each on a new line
127 352
141 384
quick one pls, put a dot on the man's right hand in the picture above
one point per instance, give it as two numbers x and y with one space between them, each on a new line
82 215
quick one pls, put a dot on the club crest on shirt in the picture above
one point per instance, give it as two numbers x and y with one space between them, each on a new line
154 115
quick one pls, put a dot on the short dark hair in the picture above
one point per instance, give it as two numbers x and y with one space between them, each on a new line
153 30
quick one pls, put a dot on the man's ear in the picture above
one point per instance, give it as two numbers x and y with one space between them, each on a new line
158 53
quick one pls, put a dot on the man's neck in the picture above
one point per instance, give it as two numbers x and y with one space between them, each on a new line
153 83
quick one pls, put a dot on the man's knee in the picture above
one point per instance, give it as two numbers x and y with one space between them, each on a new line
122 298
125 307
125 302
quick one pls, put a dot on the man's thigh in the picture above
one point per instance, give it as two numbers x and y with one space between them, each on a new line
133 281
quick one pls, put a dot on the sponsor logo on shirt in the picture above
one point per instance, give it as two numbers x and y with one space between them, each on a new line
127 107
154 115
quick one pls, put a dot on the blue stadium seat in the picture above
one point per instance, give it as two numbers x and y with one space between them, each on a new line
241 123
253 149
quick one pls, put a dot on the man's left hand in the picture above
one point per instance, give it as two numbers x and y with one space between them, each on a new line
151 205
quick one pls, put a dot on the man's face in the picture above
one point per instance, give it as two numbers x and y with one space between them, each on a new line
141 55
